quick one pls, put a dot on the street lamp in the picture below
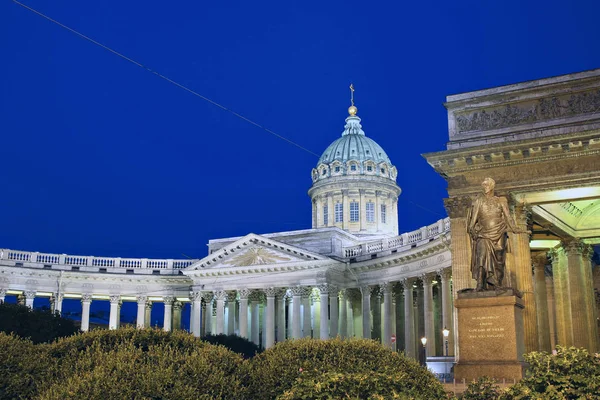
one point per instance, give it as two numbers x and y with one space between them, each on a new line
446 333
424 341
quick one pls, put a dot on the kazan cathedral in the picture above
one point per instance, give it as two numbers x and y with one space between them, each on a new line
353 274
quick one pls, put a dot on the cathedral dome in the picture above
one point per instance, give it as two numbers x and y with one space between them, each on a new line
354 145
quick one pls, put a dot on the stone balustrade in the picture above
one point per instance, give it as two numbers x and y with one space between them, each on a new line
91 263
410 239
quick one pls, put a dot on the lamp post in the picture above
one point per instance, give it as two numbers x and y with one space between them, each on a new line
424 341
446 333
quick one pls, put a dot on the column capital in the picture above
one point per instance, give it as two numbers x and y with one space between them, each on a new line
573 246
427 279
29 294
177 305
326 288
148 305
445 273
231 296
270 292
407 283
220 295
366 290
141 299
256 295
588 251
3 292
345 192
385 288
196 296
208 296
457 207
115 298
55 296
539 259
168 300
244 294
86 298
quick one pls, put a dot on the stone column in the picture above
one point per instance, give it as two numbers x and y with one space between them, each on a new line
177 306
148 315
168 317
243 322
280 315
590 297
330 210
231 312
551 310
319 207
208 312
541 300
376 314
581 307
333 312
388 314
296 321
457 208
398 292
57 301
378 210
362 210
428 314
314 213
346 210
366 311
447 309
270 317
113 322
141 311
564 332
86 302
29 297
343 324
255 318
196 313
409 319
324 299
306 323
522 255
220 296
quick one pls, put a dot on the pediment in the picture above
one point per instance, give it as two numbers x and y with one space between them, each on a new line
255 250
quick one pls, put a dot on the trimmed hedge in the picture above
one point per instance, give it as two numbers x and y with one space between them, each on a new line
237 344
41 326
363 386
24 367
275 371
157 372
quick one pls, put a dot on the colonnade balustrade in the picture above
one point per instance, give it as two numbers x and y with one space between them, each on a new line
270 315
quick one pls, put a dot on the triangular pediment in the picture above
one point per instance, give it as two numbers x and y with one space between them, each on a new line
255 250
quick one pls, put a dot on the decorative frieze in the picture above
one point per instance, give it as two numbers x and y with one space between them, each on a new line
544 109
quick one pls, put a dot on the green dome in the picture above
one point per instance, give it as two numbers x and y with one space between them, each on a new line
354 145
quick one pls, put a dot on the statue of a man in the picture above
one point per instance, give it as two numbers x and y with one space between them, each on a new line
488 223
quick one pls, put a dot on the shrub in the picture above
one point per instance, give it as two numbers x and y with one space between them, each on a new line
24 367
142 338
41 326
237 344
158 372
482 388
570 374
361 386
274 371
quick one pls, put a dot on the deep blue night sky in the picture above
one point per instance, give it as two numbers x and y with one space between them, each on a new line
100 157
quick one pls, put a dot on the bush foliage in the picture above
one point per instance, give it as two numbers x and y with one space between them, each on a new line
237 344
41 326
482 388
358 386
571 373
274 371
24 367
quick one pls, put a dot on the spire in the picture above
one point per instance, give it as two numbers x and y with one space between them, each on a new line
353 126
352 110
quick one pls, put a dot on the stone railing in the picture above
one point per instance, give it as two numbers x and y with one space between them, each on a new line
411 239
45 259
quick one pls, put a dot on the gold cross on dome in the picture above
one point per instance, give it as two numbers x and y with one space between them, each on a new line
352 94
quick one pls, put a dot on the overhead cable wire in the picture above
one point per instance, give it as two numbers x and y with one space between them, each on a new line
179 85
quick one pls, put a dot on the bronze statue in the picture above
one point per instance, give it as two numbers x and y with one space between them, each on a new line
487 224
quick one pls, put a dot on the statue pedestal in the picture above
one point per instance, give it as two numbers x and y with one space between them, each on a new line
490 335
